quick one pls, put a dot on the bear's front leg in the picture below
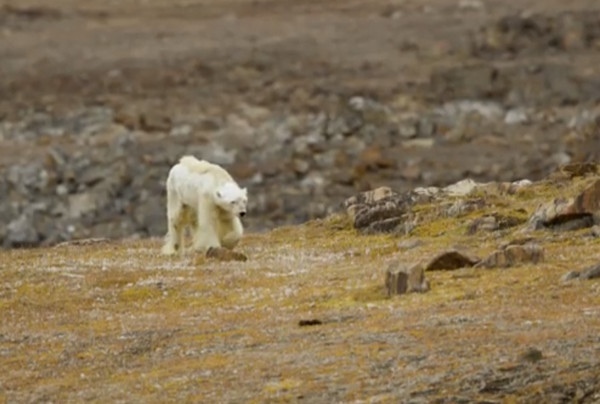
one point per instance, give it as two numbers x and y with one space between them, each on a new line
206 232
234 234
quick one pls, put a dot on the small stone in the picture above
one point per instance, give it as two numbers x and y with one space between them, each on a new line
512 256
517 241
516 117
462 207
569 276
461 188
401 279
425 195
155 121
450 260
493 222
531 355
410 244
421 143
181 130
386 209
81 204
300 166
357 202
411 172
21 232
311 322
62 190
224 254
373 158
371 111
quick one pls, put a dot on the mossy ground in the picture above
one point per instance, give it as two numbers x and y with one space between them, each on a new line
118 322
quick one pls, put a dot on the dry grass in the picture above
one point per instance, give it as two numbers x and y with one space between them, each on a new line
117 322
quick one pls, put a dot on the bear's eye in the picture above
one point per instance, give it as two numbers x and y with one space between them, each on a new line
232 202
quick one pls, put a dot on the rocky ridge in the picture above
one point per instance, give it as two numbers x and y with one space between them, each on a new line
98 170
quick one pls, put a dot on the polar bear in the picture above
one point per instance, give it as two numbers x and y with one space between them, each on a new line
204 197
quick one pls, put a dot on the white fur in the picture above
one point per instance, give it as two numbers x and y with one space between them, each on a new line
204 197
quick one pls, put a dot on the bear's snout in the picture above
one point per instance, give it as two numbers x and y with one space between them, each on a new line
242 214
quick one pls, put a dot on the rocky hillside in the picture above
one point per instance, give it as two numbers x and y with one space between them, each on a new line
400 99
475 292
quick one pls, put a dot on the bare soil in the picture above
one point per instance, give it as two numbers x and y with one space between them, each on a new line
305 318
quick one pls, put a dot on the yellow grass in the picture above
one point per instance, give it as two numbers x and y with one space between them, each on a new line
121 323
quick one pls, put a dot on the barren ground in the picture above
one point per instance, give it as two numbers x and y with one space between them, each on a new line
116 322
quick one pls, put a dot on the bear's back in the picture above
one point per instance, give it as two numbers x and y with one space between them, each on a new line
202 167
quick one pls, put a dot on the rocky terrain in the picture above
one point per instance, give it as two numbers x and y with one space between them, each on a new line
306 103
470 293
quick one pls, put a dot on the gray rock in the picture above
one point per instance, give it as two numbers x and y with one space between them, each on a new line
401 279
21 232
569 276
410 244
592 272
493 222
181 130
82 204
516 117
461 188
370 110
26 178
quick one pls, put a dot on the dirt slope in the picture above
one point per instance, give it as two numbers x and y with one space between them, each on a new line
114 320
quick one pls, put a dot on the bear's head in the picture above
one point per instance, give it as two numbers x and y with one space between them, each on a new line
231 198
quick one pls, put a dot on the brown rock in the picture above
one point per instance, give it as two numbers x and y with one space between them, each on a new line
373 158
513 255
300 166
401 279
450 260
569 214
155 121
224 254
588 202
128 118
531 355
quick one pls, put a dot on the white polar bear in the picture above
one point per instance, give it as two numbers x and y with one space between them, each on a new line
205 197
